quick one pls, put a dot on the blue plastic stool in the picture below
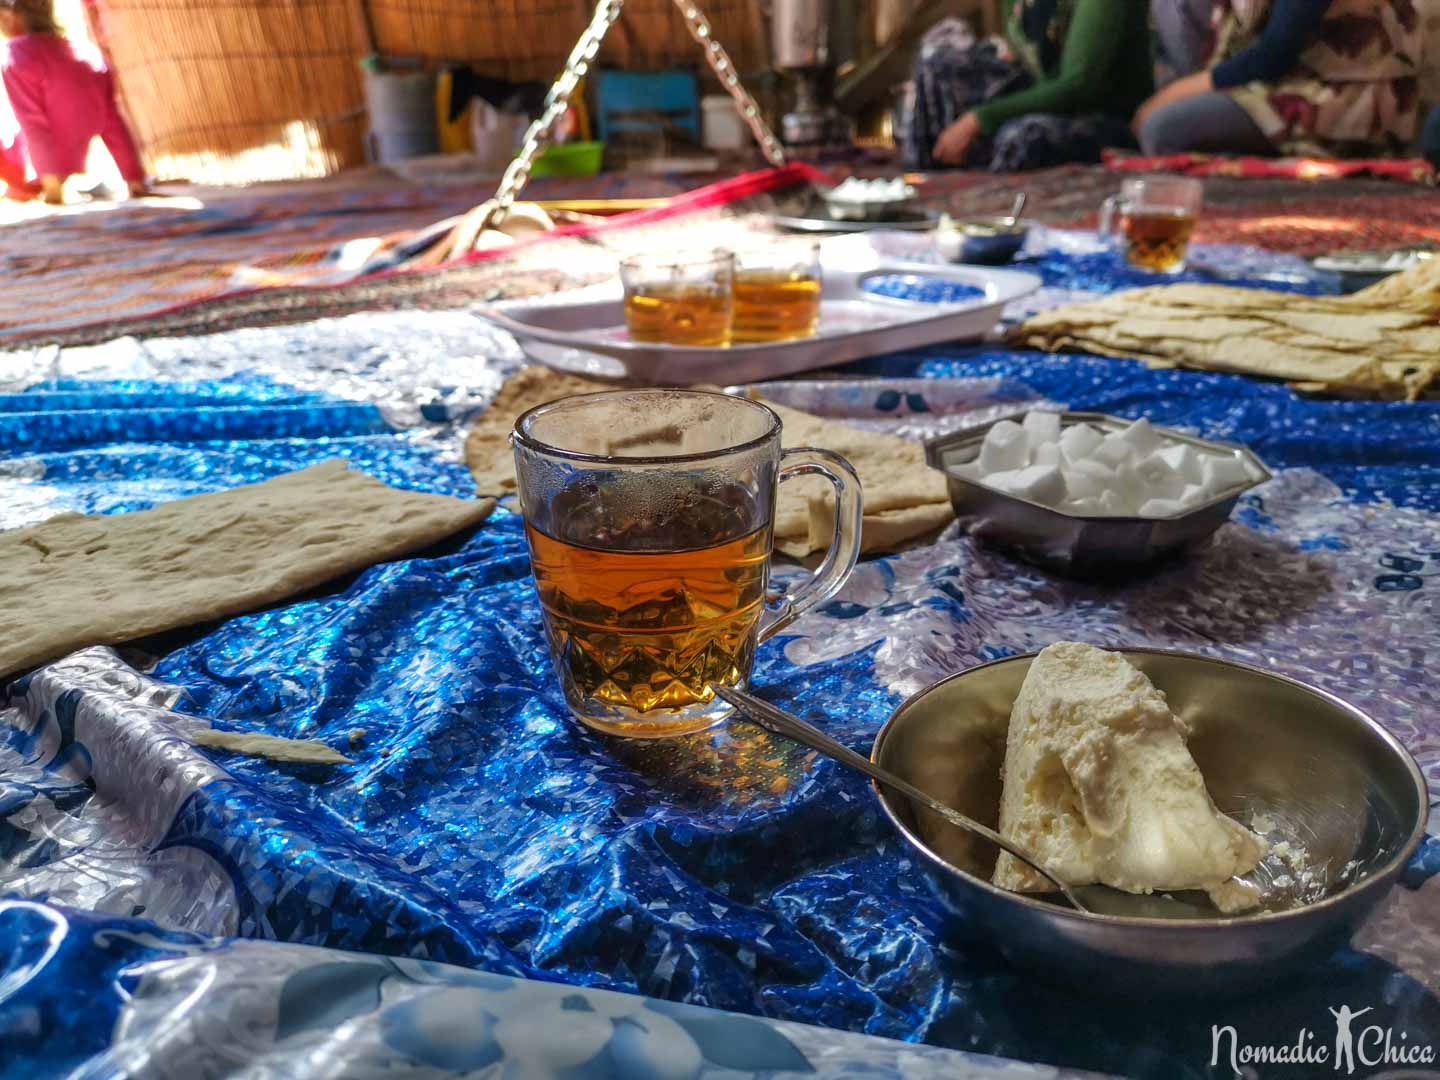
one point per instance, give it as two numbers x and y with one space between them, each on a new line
630 100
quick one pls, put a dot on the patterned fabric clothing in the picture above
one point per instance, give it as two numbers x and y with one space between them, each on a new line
949 82
1353 90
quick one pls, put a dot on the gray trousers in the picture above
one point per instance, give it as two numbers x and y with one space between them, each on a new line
1205 124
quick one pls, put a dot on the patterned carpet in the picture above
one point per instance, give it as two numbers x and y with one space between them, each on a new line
286 255
1300 217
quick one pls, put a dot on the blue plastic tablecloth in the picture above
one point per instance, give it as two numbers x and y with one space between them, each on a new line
479 826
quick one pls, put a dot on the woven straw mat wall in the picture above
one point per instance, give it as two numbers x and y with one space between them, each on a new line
261 89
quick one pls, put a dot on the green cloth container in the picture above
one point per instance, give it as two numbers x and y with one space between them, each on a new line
570 159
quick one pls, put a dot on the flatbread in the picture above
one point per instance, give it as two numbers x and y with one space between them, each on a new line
78 580
904 497
1379 342
270 747
487 446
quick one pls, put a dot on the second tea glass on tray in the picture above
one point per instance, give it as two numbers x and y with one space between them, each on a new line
777 291
649 516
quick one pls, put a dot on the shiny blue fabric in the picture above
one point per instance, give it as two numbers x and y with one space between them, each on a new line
481 826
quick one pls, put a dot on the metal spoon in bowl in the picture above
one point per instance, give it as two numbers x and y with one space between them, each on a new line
783 723
1018 206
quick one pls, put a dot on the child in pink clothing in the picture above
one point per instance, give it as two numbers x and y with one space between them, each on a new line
60 102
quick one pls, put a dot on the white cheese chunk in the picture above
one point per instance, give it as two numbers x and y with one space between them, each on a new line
1099 784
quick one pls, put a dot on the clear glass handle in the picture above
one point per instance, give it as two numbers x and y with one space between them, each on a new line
1110 209
844 539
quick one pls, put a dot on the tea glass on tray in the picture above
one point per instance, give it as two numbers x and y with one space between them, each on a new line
765 293
679 298
777 291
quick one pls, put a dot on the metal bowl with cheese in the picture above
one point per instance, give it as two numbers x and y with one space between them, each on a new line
1339 802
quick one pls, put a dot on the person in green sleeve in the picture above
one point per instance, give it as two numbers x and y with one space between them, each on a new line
1061 86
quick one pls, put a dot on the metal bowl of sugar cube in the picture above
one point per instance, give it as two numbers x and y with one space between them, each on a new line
1090 495
1331 806
854 199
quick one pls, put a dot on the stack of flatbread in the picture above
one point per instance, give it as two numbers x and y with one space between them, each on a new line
1383 341
904 498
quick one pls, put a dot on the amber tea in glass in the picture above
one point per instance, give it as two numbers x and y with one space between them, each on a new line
777 292
678 299
662 610
1157 239
648 515
1156 215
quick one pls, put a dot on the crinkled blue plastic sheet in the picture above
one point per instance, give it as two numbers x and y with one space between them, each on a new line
481 826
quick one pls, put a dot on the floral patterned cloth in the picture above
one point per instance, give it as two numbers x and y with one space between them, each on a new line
1355 89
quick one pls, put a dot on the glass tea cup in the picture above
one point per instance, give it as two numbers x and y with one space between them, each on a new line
649 516
777 291
1156 215
679 298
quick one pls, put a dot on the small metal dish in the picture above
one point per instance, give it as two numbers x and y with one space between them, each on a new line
1360 269
844 209
1087 547
987 241
1291 761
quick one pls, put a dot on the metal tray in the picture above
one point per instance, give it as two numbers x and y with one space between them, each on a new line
1080 546
822 220
588 337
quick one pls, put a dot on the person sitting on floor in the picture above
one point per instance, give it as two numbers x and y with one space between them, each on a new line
1295 77
1060 87
59 101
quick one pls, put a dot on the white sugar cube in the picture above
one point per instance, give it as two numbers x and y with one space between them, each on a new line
1128 493
1042 427
1114 450
1079 441
1112 505
1156 479
1086 507
1038 483
1144 438
1159 508
1183 459
1101 474
1047 453
1005 448
1222 472
1083 484
1193 495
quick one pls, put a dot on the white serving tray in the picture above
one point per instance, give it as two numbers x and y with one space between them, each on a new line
588 336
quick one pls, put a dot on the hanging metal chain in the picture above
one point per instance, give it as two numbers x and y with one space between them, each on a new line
724 70
517 173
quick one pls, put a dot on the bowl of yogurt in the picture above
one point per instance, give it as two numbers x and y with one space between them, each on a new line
1224 823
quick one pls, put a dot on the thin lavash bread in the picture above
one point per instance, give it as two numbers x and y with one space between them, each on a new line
1379 342
904 498
78 580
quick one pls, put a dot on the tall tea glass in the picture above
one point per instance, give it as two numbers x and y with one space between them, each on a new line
1156 215
649 516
